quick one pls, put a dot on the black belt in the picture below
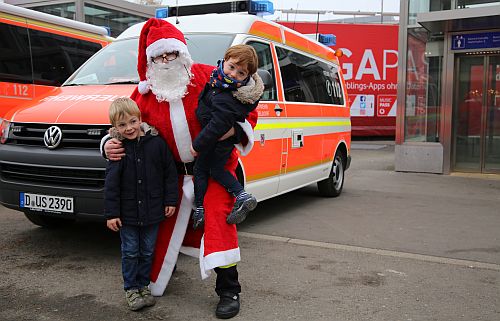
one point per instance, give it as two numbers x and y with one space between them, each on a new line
184 168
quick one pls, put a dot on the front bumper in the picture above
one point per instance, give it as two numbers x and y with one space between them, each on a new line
76 173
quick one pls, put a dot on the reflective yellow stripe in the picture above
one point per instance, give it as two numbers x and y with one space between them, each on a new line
303 124
227 266
11 17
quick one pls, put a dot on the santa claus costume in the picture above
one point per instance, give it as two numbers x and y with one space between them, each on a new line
217 245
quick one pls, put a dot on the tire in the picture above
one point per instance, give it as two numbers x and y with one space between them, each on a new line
47 221
332 186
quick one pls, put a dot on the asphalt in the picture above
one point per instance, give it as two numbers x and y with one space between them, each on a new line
394 246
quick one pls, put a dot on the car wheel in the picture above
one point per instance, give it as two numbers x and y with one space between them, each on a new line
47 221
332 186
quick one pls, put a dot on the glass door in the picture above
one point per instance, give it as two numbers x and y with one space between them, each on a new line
468 110
477 114
492 130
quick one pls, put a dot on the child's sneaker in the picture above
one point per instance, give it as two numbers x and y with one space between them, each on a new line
198 217
134 300
149 299
244 204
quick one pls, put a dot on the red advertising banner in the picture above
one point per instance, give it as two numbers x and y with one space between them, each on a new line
369 65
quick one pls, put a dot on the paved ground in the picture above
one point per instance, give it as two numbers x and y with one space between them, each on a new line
393 246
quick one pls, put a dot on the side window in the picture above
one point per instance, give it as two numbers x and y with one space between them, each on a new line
265 62
334 86
56 57
15 62
291 75
306 79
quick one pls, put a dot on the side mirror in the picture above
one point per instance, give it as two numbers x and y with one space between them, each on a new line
267 79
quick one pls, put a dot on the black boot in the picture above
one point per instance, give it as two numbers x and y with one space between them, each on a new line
229 305
228 289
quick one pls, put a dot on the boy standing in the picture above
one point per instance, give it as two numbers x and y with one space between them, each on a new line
233 91
140 191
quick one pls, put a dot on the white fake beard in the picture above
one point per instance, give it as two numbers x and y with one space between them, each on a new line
169 81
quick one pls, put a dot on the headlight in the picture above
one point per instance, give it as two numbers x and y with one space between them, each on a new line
4 128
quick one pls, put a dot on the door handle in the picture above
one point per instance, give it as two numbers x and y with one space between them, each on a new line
297 138
278 109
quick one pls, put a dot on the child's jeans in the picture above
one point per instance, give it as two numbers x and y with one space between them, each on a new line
138 244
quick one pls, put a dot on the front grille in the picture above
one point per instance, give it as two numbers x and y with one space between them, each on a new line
73 136
57 176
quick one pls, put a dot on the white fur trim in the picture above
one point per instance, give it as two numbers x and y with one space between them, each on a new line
221 258
205 272
143 87
101 145
181 223
164 45
247 128
190 251
181 130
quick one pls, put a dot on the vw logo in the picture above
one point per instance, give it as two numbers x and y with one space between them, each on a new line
52 137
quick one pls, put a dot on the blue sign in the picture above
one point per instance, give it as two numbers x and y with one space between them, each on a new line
475 41
161 13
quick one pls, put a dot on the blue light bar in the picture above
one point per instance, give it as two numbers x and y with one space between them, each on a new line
161 13
261 7
327 39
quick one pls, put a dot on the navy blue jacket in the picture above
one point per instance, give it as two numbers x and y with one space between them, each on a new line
141 184
218 111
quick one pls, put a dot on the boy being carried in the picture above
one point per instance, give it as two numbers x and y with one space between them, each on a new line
233 91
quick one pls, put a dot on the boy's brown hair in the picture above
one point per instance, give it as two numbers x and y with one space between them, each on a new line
243 55
121 106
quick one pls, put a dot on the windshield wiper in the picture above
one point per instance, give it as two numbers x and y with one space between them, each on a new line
125 82
74 84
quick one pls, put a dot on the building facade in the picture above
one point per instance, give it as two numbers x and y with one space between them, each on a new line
116 15
448 113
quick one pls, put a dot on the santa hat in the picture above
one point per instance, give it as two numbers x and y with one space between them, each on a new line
157 37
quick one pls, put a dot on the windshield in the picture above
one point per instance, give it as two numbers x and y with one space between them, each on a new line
117 62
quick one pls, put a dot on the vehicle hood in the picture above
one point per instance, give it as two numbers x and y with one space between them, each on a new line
71 105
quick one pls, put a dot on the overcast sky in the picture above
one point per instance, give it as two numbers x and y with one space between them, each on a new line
338 5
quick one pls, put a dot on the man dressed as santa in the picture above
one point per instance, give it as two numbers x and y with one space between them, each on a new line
167 95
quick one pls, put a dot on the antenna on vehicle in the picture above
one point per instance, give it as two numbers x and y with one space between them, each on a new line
317 27
295 17
177 12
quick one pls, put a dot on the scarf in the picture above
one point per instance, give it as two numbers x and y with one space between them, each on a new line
220 80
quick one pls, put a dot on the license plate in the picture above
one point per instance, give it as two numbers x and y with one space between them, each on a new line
46 203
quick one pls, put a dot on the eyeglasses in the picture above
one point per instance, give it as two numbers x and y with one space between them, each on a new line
169 56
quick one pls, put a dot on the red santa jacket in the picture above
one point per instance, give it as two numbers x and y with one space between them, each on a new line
218 243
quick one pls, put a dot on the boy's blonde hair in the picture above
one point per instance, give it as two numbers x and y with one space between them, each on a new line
244 55
121 106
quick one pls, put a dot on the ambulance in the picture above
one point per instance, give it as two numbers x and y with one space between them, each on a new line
51 168
39 51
